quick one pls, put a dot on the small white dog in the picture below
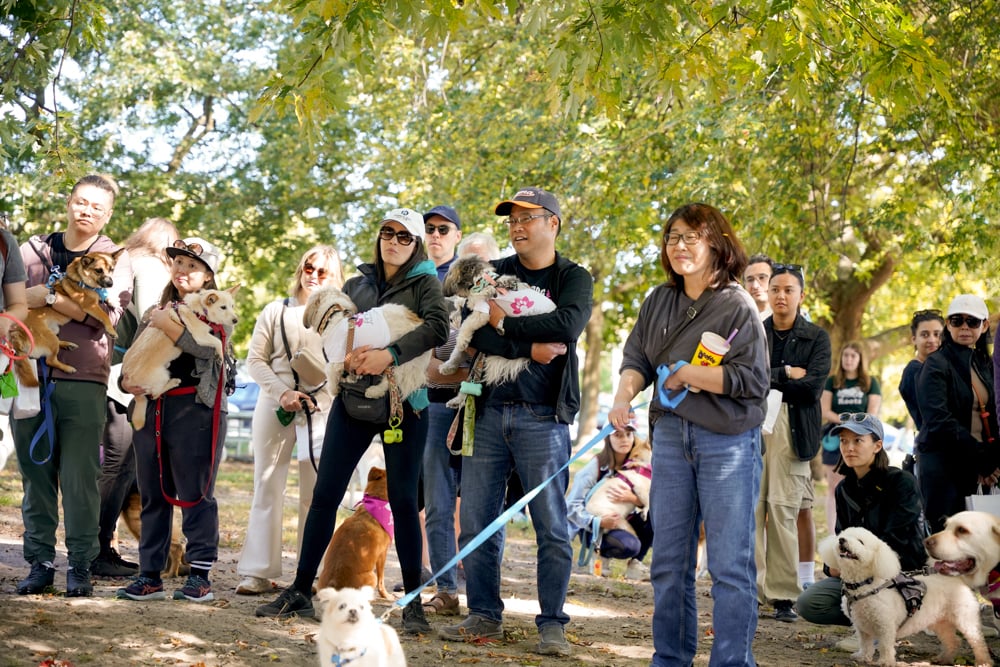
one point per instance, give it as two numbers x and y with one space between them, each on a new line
146 362
874 600
474 279
350 634
328 312
635 475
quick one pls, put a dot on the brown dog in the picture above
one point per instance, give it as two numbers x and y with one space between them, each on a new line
85 276
177 566
357 551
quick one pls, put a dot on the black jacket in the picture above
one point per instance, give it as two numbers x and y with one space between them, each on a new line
945 398
887 503
807 347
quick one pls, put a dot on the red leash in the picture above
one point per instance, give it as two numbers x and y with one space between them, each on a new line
216 413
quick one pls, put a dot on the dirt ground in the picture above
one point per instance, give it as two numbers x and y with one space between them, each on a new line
610 617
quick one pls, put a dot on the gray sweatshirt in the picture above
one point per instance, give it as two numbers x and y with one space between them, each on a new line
746 382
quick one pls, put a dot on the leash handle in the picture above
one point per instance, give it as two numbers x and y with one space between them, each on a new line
662 373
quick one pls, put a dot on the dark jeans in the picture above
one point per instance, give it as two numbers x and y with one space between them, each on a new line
117 480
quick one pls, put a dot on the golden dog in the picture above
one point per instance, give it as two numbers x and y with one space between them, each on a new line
357 551
635 476
85 277
177 566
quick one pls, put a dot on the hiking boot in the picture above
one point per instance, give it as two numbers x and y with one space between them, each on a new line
254 586
414 622
41 577
552 640
111 564
289 603
443 603
142 588
472 628
783 611
637 570
78 584
195 589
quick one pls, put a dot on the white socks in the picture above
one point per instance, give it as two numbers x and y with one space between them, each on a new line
807 574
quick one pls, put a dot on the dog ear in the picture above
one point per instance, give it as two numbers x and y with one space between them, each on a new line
117 253
234 289
367 591
86 261
828 549
325 594
211 299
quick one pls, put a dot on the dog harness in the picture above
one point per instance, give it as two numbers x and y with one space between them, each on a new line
380 511
912 590
340 659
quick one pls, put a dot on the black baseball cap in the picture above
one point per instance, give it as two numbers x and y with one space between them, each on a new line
530 198
446 212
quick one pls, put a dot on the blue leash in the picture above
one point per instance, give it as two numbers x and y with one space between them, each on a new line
501 520
47 426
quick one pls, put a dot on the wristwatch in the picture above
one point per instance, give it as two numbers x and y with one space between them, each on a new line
50 298
499 326
788 372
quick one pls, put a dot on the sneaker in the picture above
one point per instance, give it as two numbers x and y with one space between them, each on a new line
78 584
443 603
41 577
254 586
637 570
111 564
849 644
605 566
142 588
783 611
414 622
195 589
552 640
472 628
289 603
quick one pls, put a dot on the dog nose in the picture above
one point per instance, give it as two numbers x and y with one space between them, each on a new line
352 615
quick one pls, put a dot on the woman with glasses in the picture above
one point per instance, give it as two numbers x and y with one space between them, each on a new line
289 411
956 446
401 274
872 495
925 334
851 389
706 447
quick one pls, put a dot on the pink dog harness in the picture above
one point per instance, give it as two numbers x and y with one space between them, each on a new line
380 510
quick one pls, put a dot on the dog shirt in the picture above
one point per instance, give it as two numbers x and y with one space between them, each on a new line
370 328
515 303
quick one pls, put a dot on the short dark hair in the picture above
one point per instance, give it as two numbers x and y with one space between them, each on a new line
922 316
760 258
102 181
729 259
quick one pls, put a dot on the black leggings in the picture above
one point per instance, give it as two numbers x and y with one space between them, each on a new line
344 444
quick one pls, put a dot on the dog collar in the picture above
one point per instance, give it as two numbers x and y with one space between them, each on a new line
485 282
380 511
323 321
102 292
641 468
339 660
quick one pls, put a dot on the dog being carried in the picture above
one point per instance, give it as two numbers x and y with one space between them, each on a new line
637 475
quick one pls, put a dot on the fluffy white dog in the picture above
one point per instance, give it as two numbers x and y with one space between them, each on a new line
328 312
874 600
350 634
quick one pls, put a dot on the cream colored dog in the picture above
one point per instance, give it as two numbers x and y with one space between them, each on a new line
873 601
146 362
969 548
328 312
350 634
635 476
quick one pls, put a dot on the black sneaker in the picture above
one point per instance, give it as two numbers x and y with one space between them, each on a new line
195 589
41 577
289 603
111 564
414 622
142 588
783 611
78 583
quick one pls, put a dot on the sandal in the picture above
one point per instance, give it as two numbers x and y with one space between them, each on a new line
442 603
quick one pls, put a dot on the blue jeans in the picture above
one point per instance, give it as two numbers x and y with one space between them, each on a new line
700 475
529 437
440 490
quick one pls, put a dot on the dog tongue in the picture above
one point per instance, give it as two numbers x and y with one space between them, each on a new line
953 567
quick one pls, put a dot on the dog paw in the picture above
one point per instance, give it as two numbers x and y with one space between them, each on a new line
447 368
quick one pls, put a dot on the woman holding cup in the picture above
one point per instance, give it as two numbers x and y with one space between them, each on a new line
706 443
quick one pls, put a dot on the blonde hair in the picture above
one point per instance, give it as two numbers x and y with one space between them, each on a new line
152 239
334 266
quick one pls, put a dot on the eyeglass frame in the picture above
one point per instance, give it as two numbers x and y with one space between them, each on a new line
388 233
678 236
195 248
966 320
526 219
320 272
79 202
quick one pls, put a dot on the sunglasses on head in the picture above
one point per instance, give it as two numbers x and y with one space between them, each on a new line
932 312
309 269
858 417
786 268
957 321
443 230
402 237
194 248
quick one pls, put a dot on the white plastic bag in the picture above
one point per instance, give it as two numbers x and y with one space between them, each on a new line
773 410
983 501
27 403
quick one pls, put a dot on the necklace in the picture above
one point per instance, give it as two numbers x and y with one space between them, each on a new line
780 337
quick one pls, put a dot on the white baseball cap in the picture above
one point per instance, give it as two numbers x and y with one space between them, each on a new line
968 304
410 219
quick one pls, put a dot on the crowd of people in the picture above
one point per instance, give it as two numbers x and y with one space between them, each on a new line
737 441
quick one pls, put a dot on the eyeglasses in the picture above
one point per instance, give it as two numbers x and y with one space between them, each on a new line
84 204
856 417
194 248
443 230
525 219
690 237
786 268
309 269
957 321
402 237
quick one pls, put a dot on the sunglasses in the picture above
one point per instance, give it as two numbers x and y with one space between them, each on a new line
402 237
786 268
194 248
443 230
309 269
857 417
957 321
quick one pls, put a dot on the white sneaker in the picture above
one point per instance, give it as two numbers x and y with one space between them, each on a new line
637 570
254 586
